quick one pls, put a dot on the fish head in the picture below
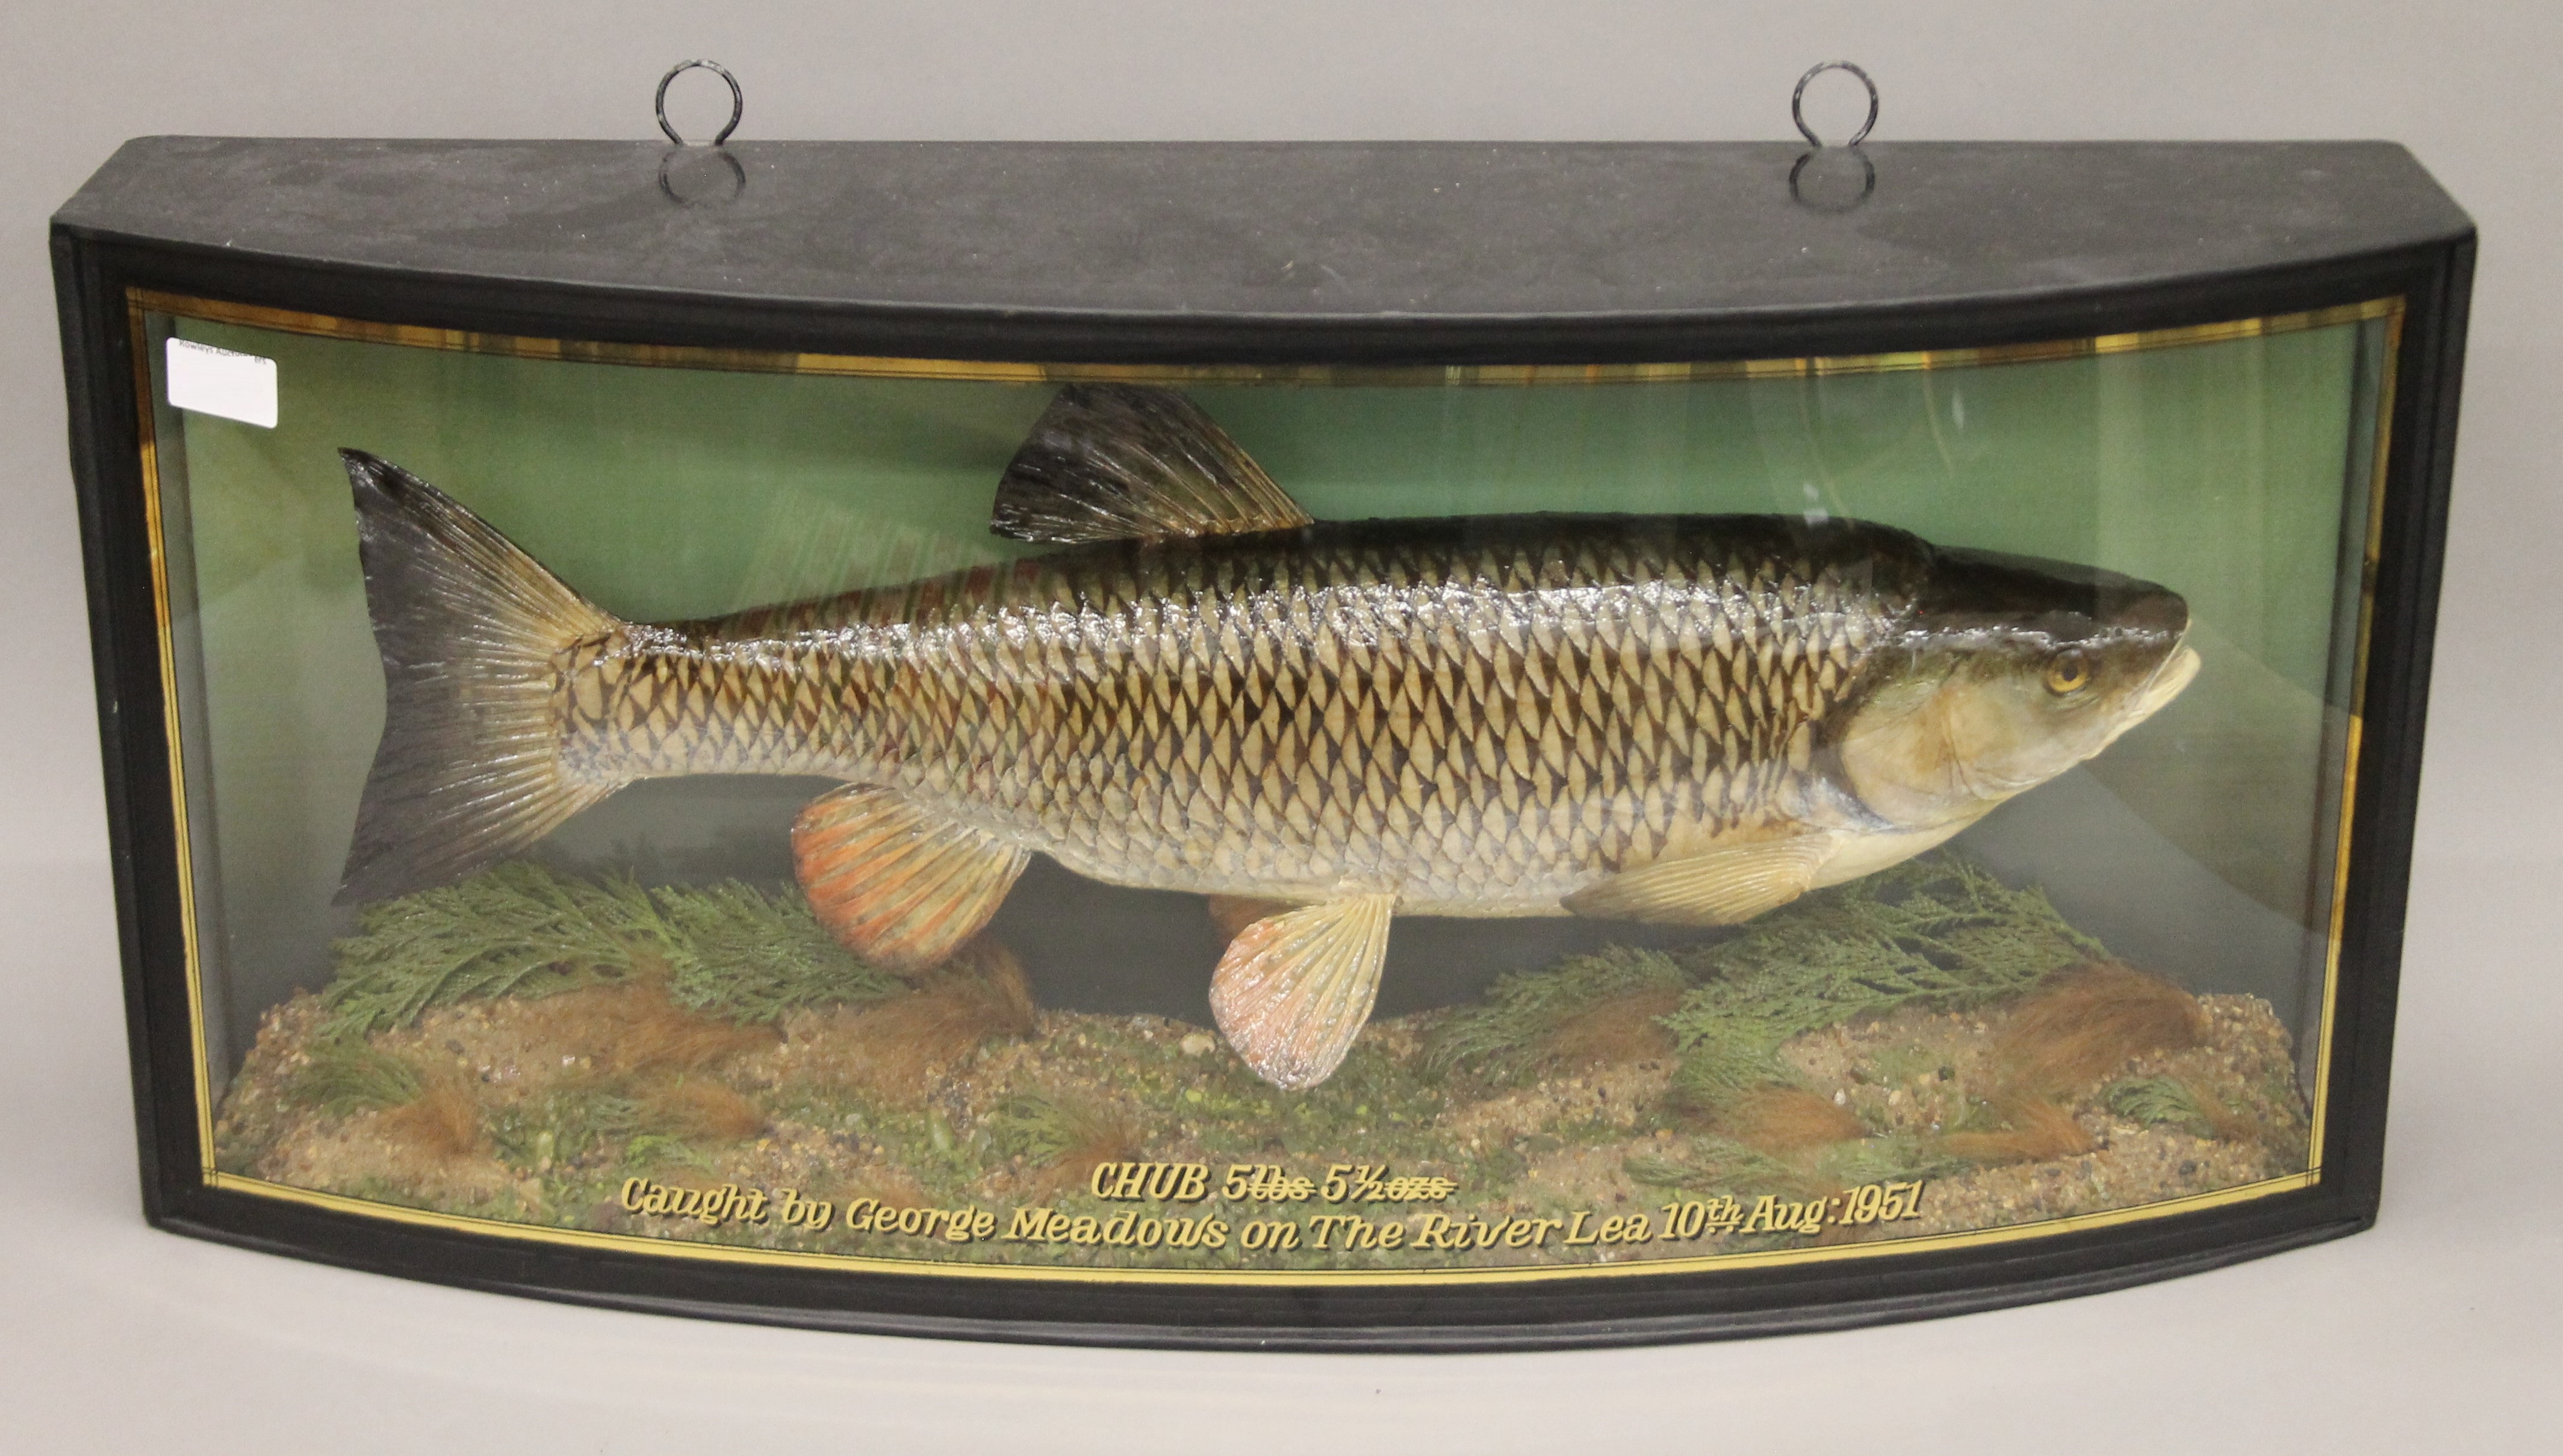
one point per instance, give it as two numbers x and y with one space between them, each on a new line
2010 671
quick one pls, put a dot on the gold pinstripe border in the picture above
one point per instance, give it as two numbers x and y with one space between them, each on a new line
870 367
147 427
1514 1274
140 302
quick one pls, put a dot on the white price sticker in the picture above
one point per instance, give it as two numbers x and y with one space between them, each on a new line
209 381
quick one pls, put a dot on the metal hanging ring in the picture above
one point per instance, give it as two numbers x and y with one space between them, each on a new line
1797 103
737 98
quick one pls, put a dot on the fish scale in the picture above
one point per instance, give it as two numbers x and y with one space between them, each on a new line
1468 716
1673 719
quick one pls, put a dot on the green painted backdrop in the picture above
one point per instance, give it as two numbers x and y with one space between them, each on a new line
2221 469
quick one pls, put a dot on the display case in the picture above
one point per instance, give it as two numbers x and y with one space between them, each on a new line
1405 746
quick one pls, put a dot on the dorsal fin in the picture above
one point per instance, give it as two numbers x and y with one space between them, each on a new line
1125 461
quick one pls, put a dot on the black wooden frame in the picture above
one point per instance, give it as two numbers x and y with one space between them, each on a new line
94 269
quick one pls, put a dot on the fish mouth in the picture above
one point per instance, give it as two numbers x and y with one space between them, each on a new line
2170 676
2174 674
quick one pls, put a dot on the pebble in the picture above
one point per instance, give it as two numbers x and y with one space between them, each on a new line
1198 1043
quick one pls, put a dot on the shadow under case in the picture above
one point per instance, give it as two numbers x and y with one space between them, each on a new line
1402 746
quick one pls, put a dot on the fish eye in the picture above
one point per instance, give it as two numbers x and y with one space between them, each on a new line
2068 671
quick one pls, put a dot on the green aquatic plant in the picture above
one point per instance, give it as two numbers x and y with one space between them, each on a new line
2151 1100
660 1150
1712 1164
2160 1102
1526 1013
517 930
1888 1158
1043 1128
564 1124
752 956
1716 1166
524 929
1935 933
345 1076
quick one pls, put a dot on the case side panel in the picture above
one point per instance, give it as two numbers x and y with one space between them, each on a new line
105 446
2412 532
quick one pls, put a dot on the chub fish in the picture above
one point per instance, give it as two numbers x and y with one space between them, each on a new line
1677 719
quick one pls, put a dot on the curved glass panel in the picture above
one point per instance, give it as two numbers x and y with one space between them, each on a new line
1382 824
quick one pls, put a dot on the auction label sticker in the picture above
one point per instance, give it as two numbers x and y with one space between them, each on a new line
204 380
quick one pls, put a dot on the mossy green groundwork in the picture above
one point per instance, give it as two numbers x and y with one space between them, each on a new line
345 1075
522 930
784 1062
1935 934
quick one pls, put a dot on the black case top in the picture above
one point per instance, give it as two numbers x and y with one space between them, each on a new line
1426 232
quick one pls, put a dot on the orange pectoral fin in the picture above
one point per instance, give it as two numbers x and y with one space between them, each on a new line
1720 886
1294 991
899 887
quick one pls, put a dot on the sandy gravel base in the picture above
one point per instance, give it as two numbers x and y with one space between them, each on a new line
1163 1090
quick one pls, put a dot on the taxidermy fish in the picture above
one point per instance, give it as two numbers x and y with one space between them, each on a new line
1678 720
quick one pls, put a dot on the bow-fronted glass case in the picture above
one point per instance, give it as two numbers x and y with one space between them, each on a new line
1284 839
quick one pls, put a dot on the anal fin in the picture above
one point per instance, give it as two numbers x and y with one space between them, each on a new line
1294 990
1232 914
898 886
1718 886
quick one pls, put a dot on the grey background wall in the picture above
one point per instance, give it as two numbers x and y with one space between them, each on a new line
2439 1330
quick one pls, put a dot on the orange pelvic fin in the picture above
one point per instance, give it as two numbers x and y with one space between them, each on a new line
1717 887
1294 990
899 887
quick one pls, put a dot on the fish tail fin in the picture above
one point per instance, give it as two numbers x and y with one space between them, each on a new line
470 628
